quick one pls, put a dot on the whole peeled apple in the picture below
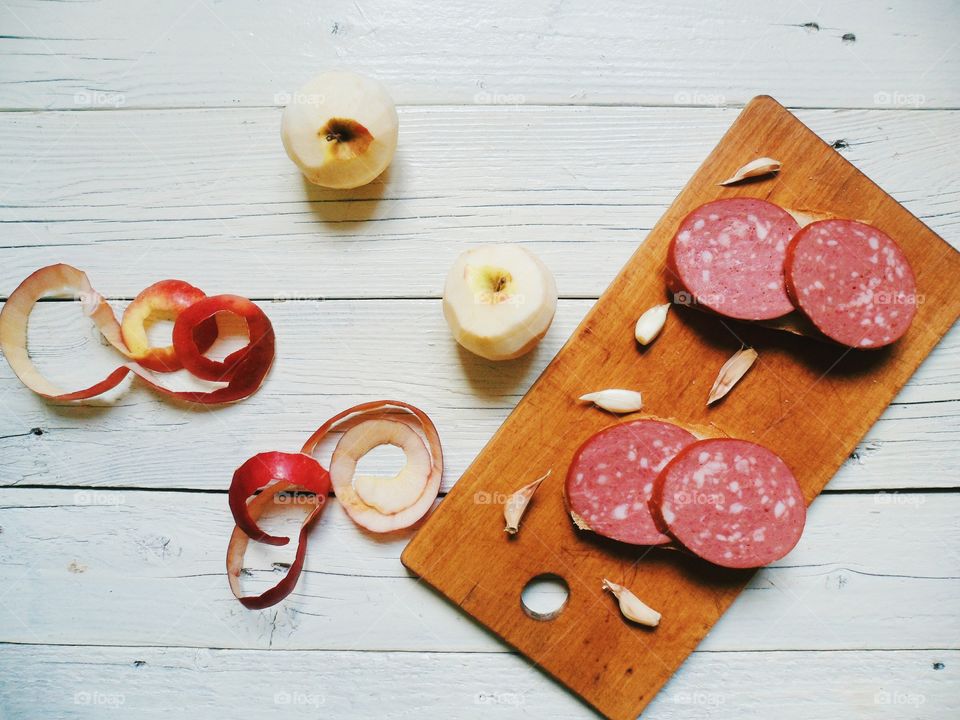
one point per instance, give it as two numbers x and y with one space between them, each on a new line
340 129
499 300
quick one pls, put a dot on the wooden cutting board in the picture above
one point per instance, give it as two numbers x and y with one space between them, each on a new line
808 401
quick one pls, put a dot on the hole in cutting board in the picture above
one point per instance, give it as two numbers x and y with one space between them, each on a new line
545 596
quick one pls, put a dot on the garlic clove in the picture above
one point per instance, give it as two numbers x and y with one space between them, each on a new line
754 168
631 606
731 372
516 504
651 323
615 400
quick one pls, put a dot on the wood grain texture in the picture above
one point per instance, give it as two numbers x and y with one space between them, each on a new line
809 404
107 567
136 53
55 682
133 196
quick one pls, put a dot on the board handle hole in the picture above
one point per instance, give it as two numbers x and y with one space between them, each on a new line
545 596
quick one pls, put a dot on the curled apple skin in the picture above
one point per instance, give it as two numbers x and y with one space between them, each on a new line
243 370
340 129
342 466
376 504
262 471
15 316
164 300
237 548
194 330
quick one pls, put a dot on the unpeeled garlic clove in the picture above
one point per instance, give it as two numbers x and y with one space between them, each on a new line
632 607
615 400
516 504
754 168
651 323
731 372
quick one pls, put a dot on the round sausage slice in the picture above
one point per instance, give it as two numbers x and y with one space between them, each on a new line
732 502
728 256
852 281
611 478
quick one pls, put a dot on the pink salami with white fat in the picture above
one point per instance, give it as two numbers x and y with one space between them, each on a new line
611 478
852 281
732 502
728 257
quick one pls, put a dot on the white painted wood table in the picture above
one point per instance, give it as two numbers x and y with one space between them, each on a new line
139 140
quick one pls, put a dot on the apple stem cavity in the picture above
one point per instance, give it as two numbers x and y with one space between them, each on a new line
348 138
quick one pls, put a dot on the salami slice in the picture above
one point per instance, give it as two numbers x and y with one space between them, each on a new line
728 256
852 281
732 502
611 478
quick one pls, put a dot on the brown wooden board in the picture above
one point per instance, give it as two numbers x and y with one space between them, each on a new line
809 401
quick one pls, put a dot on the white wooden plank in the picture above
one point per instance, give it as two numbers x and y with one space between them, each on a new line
334 354
54 682
210 195
97 567
133 53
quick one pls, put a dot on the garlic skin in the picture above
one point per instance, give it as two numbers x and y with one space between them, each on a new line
516 504
731 372
340 129
615 400
651 323
754 168
631 606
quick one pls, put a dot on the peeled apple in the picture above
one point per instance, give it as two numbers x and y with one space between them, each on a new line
340 129
499 301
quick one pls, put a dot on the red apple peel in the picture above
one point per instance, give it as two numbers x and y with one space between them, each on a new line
344 459
265 469
166 299
243 371
238 546
364 427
